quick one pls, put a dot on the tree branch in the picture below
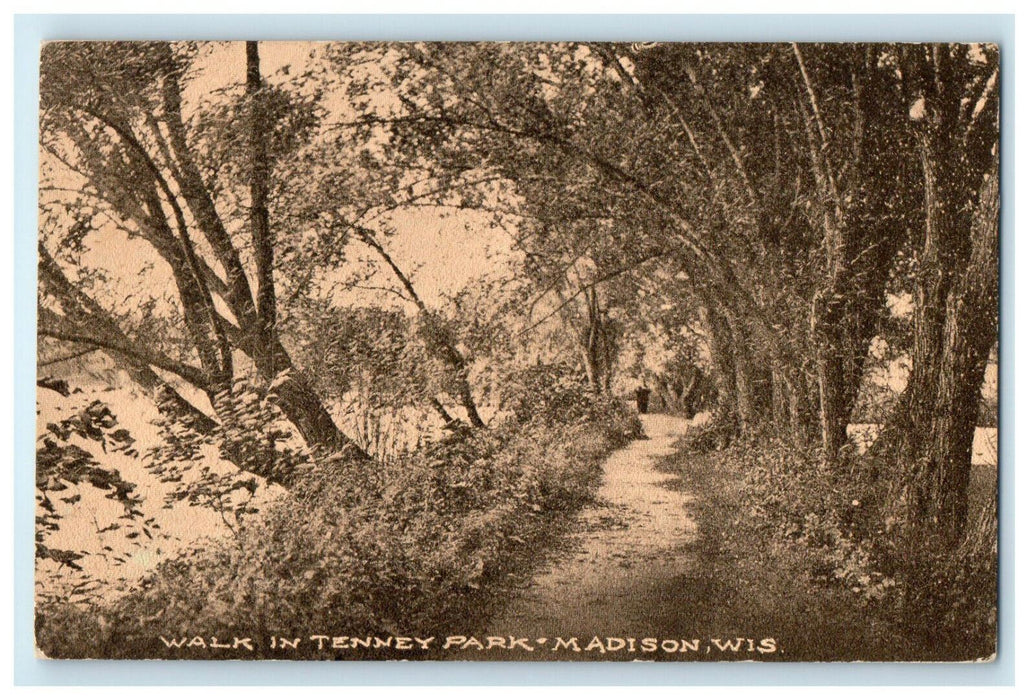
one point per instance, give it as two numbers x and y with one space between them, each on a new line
57 327
205 296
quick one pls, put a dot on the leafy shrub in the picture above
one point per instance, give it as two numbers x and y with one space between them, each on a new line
837 518
554 394
830 511
716 433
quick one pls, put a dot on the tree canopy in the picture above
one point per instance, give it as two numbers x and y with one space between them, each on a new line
254 242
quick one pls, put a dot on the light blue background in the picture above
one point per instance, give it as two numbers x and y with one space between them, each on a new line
30 30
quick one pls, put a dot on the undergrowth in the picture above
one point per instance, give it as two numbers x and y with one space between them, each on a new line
837 522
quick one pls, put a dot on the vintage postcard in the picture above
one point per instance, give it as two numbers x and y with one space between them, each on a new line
518 351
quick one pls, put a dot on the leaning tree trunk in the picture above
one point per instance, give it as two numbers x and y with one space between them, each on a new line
301 405
436 336
439 342
88 313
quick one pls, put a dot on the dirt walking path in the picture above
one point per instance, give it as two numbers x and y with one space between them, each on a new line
663 555
617 575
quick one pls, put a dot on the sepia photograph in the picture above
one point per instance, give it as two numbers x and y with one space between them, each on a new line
518 351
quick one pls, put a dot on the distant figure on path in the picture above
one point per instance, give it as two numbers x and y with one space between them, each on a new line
690 407
642 394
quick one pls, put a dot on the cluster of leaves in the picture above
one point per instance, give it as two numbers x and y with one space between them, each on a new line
252 434
73 470
836 516
63 461
424 543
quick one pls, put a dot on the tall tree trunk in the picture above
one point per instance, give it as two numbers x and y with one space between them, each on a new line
258 212
752 376
595 341
930 437
839 369
865 221
844 319
956 118
148 175
793 411
590 368
724 371
293 395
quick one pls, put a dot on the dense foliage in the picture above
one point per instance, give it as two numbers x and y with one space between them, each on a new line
837 519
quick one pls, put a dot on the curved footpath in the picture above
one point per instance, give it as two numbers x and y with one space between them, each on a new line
618 574
660 569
